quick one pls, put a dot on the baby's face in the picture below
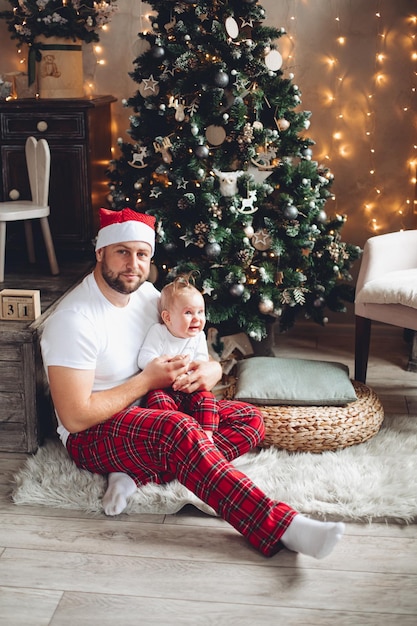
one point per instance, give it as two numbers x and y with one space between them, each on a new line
186 317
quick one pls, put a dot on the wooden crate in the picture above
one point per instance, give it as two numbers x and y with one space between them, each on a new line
25 408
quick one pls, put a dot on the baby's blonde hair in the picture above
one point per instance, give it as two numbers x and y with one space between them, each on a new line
183 284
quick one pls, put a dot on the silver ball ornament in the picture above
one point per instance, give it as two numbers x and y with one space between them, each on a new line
236 290
291 212
221 79
170 247
201 152
158 52
212 250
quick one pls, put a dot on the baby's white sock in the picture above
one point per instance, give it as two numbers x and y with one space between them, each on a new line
312 537
120 487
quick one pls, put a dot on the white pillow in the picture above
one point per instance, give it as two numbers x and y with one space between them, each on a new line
398 287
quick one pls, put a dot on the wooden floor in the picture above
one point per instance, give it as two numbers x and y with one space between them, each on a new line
67 568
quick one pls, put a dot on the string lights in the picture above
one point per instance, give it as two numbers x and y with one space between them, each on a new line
357 98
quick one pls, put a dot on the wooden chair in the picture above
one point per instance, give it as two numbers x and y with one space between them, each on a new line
386 290
38 161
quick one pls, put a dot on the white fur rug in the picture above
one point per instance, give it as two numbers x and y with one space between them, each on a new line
375 480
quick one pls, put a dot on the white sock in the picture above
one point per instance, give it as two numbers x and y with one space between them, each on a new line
312 537
120 487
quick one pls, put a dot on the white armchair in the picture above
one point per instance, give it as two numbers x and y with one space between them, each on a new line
386 290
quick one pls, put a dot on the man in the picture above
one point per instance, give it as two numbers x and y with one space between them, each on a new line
90 347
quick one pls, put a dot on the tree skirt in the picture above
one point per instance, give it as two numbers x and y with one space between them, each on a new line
372 481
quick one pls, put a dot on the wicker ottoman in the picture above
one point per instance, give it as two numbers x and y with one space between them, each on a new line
320 428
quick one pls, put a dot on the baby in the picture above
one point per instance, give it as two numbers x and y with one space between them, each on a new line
181 332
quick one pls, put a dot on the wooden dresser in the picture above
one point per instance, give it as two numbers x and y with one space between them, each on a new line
79 136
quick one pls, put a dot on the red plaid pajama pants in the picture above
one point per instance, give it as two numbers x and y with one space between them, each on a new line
202 405
159 446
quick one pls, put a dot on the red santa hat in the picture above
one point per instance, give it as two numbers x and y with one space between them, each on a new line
125 225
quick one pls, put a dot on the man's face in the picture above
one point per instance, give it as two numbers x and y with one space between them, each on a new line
125 266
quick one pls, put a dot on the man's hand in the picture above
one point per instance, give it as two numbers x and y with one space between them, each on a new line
163 371
200 376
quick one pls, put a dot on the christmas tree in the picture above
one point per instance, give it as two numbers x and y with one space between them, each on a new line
219 155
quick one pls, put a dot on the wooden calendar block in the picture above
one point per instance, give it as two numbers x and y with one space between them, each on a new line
20 304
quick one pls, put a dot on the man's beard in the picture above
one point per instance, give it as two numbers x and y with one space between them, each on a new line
115 282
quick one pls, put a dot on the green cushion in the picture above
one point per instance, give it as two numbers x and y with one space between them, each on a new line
304 382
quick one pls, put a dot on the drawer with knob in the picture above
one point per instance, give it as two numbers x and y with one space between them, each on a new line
51 125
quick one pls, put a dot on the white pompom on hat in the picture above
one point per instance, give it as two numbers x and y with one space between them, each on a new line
125 225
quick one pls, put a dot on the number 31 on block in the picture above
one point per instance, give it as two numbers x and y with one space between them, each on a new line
20 304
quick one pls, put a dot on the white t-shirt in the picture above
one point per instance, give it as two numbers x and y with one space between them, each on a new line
160 341
87 332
